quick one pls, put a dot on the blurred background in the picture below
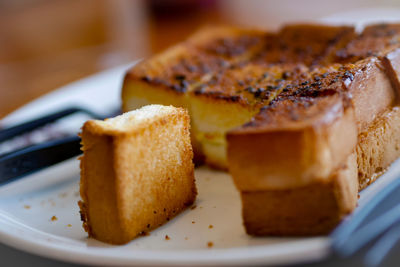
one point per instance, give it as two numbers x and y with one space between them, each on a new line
45 44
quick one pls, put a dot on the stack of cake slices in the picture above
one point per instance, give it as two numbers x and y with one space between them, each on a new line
302 118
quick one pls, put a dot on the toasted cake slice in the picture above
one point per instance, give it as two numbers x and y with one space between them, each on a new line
136 172
231 98
318 206
303 109
285 152
312 209
292 143
378 146
187 75
167 77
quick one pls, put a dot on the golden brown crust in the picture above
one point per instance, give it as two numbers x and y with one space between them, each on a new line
309 44
135 179
391 61
301 142
375 40
343 84
371 91
313 209
378 146
230 43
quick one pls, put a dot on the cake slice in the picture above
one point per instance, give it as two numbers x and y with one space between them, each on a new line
292 143
166 78
231 98
308 114
136 172
311 209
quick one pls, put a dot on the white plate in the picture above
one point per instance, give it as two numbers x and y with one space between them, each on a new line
28 206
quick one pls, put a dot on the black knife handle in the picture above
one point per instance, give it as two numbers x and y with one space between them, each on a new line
22 162
8 133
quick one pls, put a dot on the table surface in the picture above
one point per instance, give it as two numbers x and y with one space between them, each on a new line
11 258
46 44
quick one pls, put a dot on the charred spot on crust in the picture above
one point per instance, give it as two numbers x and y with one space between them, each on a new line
348 75
180 77
178 88
250 89
231 47
146 78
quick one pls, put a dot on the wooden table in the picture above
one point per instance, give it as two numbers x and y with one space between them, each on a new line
48 43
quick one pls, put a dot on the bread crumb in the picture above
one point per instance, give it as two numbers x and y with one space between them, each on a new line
69 225
193 222
186 238
167 237
27 207
52 202
210 244
62 195
54 218
144 233
193 207
210 226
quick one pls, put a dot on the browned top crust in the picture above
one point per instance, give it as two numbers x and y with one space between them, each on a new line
304 100
185 68
253 84
232 44
302 43
257 68
373 41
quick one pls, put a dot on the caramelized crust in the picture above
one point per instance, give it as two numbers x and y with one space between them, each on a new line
231 44
136 172
373 41
378 146
293 105
307 44
292 143
313 209
178 69
391 62
252 84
